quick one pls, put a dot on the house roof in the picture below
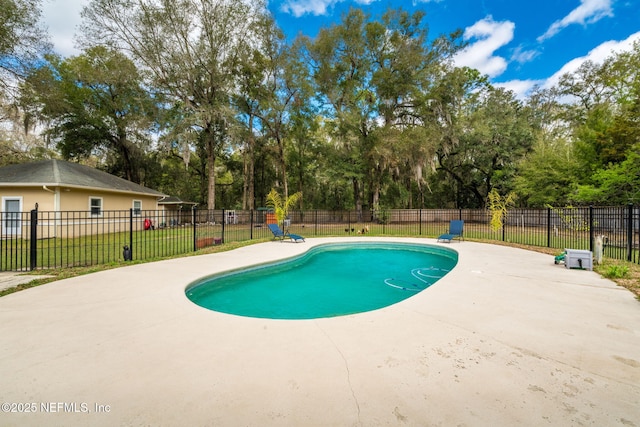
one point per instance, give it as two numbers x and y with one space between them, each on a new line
173 200
58 173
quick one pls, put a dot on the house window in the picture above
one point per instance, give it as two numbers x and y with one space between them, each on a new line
95 205
11 215
137 207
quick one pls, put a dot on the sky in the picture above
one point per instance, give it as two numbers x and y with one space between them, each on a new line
518 44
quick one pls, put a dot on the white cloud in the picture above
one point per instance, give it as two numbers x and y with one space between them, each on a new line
588 12
302 7
596 55
487 37
62 17
521 56
298 8
522 88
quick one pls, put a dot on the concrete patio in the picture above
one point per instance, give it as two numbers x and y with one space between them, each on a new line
506 338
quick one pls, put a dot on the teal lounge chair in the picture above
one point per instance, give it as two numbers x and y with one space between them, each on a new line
456 228
279 234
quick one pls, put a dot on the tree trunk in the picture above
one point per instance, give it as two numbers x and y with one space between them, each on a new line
245 182
375 186
375 199
252 190
121 144
357 198
248 196
301 186
283 166
211 170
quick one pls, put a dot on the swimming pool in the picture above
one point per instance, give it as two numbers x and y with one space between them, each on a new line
328 280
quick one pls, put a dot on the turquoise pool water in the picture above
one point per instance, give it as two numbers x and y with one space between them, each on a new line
328 280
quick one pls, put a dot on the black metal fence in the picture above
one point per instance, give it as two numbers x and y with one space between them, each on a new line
46 240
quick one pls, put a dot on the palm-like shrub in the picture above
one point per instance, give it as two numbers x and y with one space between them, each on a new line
281 207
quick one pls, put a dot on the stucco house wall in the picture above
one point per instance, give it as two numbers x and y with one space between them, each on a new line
80 200
71 199
74 199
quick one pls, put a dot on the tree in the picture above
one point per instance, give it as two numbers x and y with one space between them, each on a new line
484 131
251 91
406 68
285 96
548 175
617 184
281 206
292 114
22 38
191 51
445 114
501 136
342 73
95 105
305 146
373 76
604 126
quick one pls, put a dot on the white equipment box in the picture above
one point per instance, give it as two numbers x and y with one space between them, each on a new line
576 258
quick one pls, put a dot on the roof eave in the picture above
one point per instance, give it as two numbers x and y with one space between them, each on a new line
79 187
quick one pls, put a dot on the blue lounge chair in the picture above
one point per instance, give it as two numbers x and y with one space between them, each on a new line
279 234
456 228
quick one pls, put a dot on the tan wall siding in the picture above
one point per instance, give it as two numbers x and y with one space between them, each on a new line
75 199
72 218
78 200
30 196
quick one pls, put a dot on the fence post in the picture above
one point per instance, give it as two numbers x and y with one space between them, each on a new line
33 242
591 230
251 224
420 222
224 221
629 231
131 233
193 221
637 256
548 227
